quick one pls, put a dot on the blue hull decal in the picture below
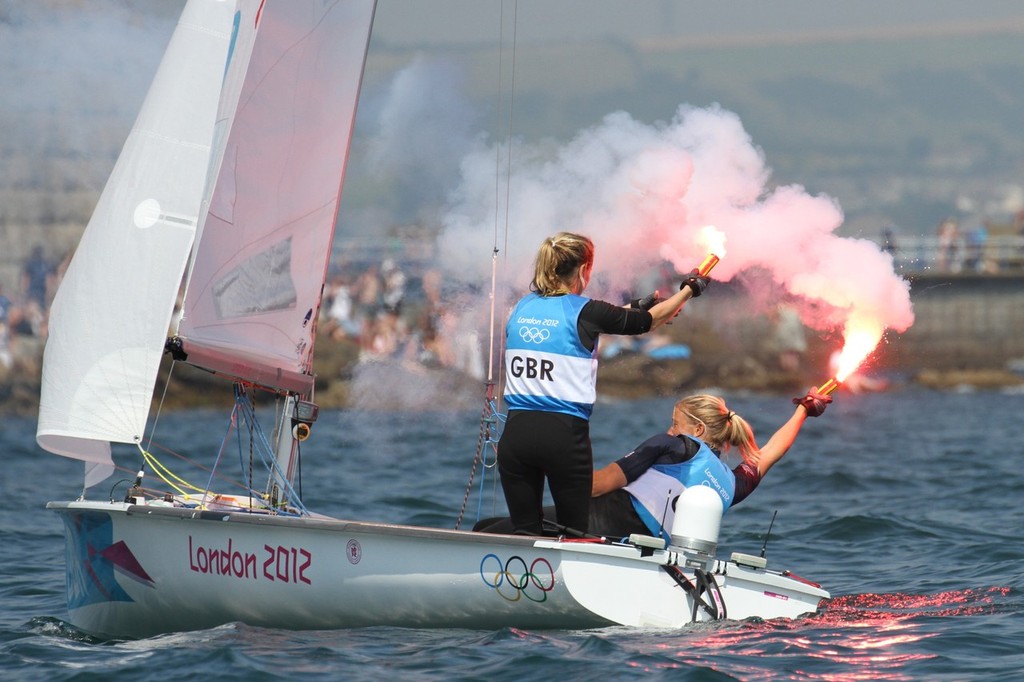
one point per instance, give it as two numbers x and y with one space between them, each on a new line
93 558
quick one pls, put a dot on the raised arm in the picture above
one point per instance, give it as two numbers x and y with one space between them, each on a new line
781 440
813 404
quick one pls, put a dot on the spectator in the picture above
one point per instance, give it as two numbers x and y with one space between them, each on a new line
889 241
36 273
5 306
394 286
949 246
5 345
340 322
974 251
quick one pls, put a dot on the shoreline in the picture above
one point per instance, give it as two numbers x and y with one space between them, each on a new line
343 381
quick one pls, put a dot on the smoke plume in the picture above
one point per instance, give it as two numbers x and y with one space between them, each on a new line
642 193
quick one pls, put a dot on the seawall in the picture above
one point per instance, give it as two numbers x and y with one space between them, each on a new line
963 321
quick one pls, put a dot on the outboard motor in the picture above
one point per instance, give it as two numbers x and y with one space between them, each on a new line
697 521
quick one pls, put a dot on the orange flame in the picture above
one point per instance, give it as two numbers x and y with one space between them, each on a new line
861 337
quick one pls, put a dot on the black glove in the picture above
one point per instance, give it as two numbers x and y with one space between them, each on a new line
645 303
697 282
814 402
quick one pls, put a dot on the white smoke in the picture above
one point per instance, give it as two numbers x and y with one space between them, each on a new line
641 191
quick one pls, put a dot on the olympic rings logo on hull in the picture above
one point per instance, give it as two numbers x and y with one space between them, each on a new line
513 580
534 335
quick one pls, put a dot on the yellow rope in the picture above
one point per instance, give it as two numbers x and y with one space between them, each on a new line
166 475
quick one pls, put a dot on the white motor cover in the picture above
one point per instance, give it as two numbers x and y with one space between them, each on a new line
698 519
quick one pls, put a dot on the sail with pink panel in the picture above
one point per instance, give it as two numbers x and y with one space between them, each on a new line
261 258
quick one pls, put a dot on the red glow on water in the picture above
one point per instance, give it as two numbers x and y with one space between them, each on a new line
901 605
854 637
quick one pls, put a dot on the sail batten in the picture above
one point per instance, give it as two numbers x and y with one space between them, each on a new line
110 317
256 281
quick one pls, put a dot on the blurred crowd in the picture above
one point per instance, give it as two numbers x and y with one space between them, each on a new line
24 313
393 316
961 246
379 306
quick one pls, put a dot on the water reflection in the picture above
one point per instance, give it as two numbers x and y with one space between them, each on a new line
855 637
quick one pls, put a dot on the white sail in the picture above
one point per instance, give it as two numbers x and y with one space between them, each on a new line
261 258
110 318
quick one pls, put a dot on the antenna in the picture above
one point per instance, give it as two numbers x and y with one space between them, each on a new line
661 523
764 547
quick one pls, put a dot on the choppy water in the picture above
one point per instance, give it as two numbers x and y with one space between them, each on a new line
905 505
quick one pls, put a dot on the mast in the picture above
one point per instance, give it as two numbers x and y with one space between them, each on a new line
295 424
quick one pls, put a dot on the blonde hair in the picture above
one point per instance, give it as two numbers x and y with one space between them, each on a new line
558 263
723 427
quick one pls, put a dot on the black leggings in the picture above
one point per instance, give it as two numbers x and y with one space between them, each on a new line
611 516
539 445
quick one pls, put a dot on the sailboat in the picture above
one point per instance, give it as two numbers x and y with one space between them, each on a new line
233 172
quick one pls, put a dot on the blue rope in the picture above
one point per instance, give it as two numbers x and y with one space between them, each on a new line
223 445
245 409
491 440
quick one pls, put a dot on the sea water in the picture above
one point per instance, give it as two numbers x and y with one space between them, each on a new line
906 505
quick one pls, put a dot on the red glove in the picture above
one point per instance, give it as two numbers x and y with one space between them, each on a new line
814 402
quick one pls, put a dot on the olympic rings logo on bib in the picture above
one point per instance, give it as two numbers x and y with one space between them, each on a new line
534 335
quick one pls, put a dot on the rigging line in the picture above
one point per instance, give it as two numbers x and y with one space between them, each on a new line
508 156
260 445
160 406
221 477
488 413
156 420
166 475
497 177
497 113
232 423
485 419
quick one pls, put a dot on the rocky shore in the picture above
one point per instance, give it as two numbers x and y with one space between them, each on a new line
715 363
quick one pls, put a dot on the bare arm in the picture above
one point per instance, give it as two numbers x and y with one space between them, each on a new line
781 440
608 479
663 311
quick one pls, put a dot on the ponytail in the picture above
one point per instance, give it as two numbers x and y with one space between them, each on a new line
724 429
558 262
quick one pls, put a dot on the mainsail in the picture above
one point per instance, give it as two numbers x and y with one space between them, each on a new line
109 320
288 110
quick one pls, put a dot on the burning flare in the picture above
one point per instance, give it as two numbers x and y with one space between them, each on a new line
861 337
712 239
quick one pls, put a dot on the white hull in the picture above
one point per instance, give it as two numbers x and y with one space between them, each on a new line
141 570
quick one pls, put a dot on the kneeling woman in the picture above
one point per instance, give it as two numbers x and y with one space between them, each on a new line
637 493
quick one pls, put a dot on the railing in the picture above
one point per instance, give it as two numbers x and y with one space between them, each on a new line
998 254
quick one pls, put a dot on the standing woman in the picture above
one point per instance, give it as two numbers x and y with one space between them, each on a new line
551 381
